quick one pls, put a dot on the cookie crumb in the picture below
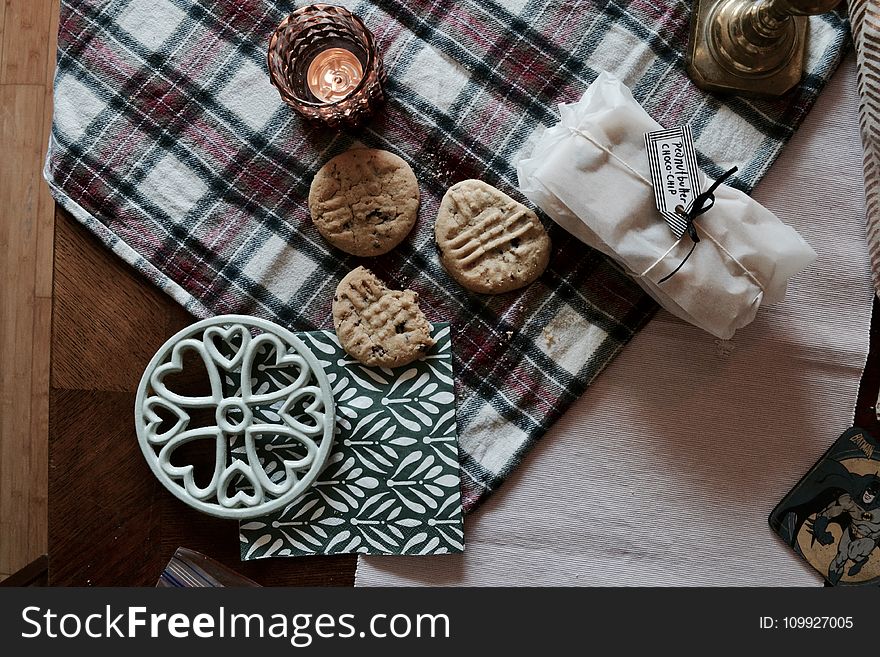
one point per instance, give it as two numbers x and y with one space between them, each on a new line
549 338
724 348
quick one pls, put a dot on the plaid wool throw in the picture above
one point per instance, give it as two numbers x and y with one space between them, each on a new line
170 144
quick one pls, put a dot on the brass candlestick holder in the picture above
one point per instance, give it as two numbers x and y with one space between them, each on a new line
750 47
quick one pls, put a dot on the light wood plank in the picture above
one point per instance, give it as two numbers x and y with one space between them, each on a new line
52 41
28 37
2 26
38 516
21 130
46 215
24 41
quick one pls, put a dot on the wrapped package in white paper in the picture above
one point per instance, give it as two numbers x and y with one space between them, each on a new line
590 174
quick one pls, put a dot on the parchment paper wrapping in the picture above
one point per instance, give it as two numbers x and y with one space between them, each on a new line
590 174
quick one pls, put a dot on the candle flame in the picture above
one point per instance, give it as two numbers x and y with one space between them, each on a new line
334 74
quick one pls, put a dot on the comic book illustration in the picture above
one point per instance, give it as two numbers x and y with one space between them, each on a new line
832 517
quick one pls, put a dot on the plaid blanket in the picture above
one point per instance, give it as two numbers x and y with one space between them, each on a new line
170 144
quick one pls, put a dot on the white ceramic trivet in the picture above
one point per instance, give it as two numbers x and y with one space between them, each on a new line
264 367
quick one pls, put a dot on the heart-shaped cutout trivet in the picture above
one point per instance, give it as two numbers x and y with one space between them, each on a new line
159 413
304 402
175 366
292 468
232 476
187 472
282 373
220 342
263 366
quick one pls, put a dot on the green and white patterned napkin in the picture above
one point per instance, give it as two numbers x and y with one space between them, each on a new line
392 482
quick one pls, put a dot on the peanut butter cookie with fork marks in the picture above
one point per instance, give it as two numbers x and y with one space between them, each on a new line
365 201
488 242
377 326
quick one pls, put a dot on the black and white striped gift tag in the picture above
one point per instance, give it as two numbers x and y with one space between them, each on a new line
675 174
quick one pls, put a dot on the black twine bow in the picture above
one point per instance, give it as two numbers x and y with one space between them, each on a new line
701 205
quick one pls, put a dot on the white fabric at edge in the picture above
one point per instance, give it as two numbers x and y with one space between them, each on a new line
664 472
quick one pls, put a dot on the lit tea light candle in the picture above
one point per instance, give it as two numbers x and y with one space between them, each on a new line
334 74
325 64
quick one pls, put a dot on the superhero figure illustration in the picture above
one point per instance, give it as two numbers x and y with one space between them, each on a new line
830 494
860 518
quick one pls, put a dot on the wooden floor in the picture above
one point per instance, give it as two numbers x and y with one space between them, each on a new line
28 31
108 321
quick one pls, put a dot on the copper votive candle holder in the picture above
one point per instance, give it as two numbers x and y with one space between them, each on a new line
325 64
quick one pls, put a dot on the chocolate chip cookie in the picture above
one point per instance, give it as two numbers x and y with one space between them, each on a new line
488 242
365 201
378 326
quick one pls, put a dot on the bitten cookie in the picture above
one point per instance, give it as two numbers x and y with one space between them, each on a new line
378 326
488 242
364 201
